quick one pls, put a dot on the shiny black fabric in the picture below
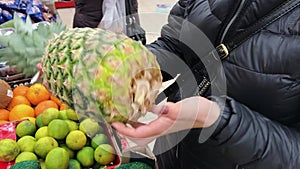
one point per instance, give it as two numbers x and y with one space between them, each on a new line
262 87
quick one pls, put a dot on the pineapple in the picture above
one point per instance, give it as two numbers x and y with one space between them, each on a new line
97 72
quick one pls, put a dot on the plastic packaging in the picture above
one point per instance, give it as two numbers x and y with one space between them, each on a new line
8 130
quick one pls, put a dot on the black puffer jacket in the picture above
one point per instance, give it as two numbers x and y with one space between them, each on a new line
259 126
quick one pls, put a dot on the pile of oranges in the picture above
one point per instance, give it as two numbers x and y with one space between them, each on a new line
28 102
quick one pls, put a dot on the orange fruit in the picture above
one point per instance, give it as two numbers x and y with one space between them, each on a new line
20 111
63 107
42 106
4 114
16 100
56 100
37 93
3 121
20 90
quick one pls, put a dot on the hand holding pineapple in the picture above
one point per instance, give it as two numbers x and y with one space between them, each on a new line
193 112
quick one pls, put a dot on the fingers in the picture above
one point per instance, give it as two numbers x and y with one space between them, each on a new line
153 129
160 109
124 130
39 66
136 124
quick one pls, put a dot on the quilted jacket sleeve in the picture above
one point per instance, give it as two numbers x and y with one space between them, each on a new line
254 141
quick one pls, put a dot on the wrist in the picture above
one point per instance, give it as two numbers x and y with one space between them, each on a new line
209 113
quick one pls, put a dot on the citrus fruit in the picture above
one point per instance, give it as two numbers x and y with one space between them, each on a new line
52 157
41 132
104 154
99 139
25 128
72 115
42 163
42 106
86 156
74 164
49 114
90 127
9 150
58 129
56 100
38 121
17 100
70 151
20 111
4 114
63 115
44 145
37 93
26 143
72 125
32 119
3 121
20 90
63 107
24 156
76 139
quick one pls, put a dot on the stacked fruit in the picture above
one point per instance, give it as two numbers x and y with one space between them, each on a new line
52 134
29 102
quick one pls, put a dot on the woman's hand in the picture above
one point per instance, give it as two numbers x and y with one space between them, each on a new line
194 112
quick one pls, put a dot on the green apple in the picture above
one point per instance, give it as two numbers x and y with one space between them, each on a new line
104 154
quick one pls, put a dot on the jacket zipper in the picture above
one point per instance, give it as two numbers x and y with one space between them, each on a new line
238 11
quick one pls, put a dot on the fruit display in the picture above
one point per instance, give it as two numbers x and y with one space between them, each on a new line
45 131
92 77
96 72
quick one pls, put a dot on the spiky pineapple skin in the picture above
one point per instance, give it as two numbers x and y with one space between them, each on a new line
102 74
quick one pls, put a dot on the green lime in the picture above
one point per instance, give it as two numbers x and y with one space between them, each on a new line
86 156
26 143
76 139
25 128
41 132
58 129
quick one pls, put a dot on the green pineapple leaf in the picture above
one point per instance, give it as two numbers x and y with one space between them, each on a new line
25 47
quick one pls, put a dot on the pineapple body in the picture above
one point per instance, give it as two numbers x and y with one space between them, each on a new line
102 74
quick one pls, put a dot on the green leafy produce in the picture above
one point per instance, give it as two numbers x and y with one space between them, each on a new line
29 164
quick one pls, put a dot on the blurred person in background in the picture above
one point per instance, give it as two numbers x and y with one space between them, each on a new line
88 13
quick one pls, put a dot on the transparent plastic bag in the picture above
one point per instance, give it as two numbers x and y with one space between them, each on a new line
114 13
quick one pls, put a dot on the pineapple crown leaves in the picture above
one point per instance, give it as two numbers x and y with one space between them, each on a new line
25 47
